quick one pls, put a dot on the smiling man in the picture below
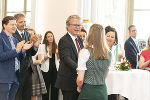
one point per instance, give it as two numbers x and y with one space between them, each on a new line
69 47
10 56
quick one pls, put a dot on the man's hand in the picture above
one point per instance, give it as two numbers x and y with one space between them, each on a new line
20 45
33 39
36 39
37 43
27 46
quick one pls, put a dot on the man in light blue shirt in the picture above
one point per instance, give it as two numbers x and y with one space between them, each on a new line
11 53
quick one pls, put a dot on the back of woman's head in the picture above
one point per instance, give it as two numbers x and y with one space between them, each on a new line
97 41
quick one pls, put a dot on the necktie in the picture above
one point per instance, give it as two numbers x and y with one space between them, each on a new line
22 35
137 45
77 44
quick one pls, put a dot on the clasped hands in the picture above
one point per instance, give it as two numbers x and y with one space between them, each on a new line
36 40
23 46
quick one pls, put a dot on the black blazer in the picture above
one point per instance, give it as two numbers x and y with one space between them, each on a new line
27 63
131 52
67 74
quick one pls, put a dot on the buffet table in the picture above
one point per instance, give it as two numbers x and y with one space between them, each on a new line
133 84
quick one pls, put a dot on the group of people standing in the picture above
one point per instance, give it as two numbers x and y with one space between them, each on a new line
32 67
28 68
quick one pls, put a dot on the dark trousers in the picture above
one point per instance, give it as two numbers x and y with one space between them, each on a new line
112 97
50 79
8 90
25 88
70 95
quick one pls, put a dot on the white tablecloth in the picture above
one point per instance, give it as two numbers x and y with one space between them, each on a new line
133 84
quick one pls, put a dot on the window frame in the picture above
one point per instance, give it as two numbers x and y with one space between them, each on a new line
5 8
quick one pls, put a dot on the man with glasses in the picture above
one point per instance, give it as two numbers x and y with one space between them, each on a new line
69 47
131 47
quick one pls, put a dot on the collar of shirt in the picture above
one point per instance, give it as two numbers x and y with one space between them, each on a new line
10 37
20 32
134 39
72 37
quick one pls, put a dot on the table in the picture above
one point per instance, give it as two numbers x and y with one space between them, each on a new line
133 84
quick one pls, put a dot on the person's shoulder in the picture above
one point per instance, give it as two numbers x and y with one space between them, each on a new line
127 42
27 33
64 38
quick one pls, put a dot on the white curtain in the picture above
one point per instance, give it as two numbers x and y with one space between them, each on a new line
107 12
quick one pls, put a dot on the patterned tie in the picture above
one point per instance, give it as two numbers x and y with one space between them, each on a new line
77 44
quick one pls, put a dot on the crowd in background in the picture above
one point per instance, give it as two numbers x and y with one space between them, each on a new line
78 65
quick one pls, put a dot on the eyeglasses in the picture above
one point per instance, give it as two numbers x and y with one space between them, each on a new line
76 25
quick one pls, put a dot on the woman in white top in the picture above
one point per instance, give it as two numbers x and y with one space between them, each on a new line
49 53
112 41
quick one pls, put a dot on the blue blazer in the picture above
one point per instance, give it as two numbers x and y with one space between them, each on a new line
131 52
7 59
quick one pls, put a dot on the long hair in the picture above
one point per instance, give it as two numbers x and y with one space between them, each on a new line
96 42
54 45
147 44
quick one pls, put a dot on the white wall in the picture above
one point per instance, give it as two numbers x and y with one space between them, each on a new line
52 14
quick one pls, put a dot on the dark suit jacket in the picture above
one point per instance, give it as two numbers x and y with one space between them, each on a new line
7 59
67 74
131 51
27 63
26 67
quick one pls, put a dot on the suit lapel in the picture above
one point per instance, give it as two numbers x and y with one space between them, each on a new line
72 44
17 36
134 45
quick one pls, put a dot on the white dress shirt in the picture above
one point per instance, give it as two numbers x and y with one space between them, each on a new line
84 55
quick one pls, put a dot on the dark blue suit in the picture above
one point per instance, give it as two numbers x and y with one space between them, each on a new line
8 77
131 52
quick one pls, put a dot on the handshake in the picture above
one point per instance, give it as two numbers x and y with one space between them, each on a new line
23 46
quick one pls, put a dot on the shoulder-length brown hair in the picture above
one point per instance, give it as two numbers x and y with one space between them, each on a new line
96 42
54 45
147 44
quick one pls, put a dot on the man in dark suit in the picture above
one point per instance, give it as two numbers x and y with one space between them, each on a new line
69 46
25 88
131 47
11 53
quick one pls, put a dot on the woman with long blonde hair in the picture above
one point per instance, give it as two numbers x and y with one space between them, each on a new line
144 62
93 64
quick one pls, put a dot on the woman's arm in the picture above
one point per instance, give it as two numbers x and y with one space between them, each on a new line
83 58
80 79
107 72
37 60
142 64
